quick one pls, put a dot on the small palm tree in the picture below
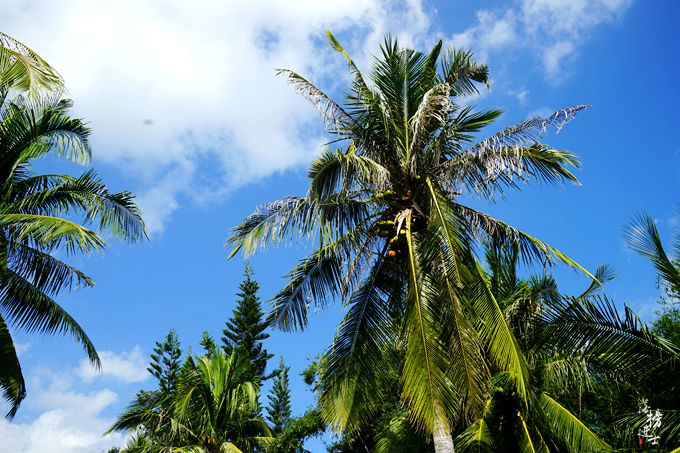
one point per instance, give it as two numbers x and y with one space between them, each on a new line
568 343
395 240
642 235
212 410
37 210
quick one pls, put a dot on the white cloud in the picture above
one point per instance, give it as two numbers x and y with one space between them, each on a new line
169 86
21 348
553 28
521 95
124 367
67 420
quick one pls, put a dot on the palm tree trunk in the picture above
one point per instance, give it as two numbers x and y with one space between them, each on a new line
441 435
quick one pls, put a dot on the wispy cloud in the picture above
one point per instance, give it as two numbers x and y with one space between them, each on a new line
554 29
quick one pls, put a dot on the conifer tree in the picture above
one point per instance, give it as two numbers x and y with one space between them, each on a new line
165 362
208 343
245 330
279 401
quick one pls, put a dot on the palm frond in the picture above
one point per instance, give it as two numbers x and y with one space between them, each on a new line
50 232
47 273
30 131
570 429
26 307
335 171
337 120
461 72
500 232
292 218
490 172
527 132
643 237
424 384
479 436
22 69
603 274
497 336
356 362
316 278
11 377
593 328
432 113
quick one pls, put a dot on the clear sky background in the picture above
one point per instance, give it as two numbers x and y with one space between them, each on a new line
187 113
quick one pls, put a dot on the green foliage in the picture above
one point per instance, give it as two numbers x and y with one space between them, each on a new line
211 410
395 242
245 330
208 343
573 346
297 430
25 71
279 410
663 389
667 323
166 362
38 213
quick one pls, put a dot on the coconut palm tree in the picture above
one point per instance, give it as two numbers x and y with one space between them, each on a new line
569 342
642 235
212 410
37 214
396 240
37 211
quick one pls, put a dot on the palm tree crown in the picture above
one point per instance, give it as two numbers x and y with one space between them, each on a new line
396 244
37 211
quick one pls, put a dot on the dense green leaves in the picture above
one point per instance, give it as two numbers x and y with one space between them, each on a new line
394 243
209 410
245 330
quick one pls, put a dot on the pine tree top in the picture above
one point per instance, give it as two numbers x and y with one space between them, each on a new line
245 329
279 409
165 362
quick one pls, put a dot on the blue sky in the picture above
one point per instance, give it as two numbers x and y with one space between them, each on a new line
226 136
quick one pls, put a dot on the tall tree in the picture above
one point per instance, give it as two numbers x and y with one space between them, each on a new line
279 409
245 329
38 212
290 433
395 241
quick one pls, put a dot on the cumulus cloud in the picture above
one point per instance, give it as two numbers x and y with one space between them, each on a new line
552 28
177 92
66 419
124 366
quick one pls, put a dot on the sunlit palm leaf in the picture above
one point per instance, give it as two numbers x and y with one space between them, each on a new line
643 237
569 428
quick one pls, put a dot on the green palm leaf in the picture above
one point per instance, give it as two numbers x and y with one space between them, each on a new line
569 428
11 378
